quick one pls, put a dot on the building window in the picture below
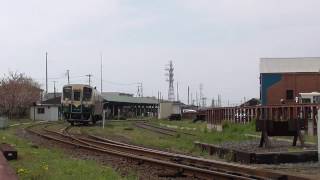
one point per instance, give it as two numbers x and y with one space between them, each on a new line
40 110
290 95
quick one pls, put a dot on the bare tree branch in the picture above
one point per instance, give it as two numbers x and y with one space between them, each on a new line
17 93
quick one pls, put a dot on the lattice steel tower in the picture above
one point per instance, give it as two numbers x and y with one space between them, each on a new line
170 79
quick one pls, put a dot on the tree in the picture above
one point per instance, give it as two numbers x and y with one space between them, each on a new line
17 93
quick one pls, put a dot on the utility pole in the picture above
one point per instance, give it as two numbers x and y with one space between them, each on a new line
197 101
101 72
68 75
188 95
89 76
54 88
141 89
46 72
177 91
192 101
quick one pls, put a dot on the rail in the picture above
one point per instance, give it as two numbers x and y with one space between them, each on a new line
188 165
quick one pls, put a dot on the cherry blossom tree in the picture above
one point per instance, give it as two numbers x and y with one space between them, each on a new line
17 93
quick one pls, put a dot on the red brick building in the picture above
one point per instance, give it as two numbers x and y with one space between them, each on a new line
282 79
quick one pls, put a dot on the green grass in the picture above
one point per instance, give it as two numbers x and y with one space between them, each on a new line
313 139
38 163
179 143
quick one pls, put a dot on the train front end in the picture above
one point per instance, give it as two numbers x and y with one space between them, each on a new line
77 103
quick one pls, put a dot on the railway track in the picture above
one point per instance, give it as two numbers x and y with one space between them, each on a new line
161 130
156 130
182 164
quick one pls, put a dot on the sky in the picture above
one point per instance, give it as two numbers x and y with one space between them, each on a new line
217 43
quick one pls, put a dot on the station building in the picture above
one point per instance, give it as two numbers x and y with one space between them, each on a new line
48 110
124 105
283 79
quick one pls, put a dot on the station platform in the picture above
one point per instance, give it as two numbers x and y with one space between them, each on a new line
6 172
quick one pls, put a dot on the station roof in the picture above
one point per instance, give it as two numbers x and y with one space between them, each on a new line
127 98
290 65
52 95
52 101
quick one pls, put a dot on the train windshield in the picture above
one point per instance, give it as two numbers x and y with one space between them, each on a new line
87 93
76 95
67 92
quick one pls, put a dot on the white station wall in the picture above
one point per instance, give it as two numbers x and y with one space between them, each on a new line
51 113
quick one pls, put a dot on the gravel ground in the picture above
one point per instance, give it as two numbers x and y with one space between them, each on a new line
123 166
310 170
276 146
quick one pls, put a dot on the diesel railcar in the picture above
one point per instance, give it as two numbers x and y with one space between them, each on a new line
81 104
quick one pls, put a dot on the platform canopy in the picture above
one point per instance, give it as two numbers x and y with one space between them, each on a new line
117 97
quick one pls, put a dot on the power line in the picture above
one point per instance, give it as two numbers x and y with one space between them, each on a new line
120 84
51 78
68 74
73 77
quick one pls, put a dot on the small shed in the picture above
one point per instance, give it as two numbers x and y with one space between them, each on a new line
168 108
48 110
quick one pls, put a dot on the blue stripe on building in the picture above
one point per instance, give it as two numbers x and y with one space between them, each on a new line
268 80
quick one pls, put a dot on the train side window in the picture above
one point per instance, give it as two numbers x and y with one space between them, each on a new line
289 94
87 93
67 92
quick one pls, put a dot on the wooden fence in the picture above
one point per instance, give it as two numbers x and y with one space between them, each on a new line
306 113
